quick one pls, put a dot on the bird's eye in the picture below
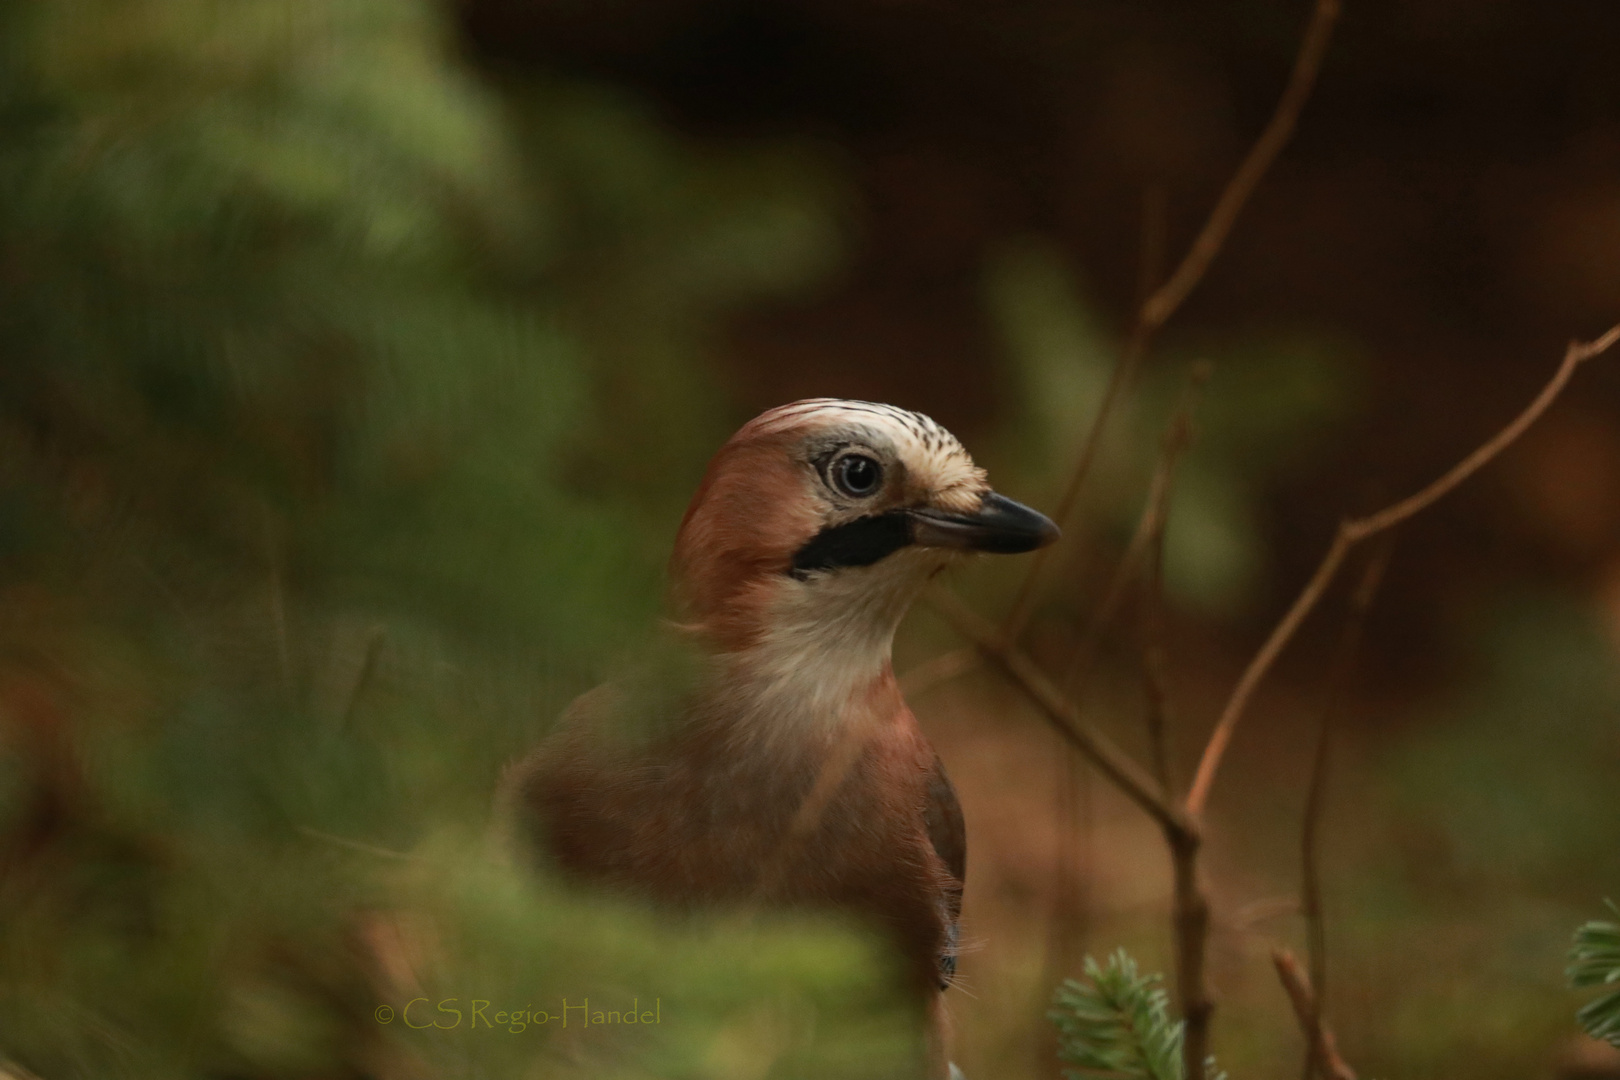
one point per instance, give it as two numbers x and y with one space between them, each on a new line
857 475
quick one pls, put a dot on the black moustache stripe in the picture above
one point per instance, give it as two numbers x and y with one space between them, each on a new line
861 542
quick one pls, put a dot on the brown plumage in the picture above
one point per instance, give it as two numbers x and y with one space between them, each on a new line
774 760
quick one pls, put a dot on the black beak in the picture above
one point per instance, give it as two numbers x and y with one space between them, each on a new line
1000 526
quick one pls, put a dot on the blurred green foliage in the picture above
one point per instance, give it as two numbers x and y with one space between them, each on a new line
1463 848
1493 776
346 407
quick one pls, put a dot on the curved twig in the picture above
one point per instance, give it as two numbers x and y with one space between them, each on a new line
1110 760
1324 1048
1352 532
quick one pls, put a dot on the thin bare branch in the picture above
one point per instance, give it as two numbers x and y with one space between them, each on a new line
1344 661
1155 510
1354 531
1155 663
1204 777
1123 374
1190 920
1155 235
1323 1047
1307 64
1100 750
1070 910
1574 356
1157 309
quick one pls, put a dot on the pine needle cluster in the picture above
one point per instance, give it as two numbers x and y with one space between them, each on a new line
1116 1023
1594 960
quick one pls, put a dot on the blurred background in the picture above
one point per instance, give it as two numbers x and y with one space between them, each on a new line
357 358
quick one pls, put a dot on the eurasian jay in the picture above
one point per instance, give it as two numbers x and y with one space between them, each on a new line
787 769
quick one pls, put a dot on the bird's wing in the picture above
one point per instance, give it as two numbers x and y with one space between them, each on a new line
943 816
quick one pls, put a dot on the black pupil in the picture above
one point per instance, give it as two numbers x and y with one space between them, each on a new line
859 475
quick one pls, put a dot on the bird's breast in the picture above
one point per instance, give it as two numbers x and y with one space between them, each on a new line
832 816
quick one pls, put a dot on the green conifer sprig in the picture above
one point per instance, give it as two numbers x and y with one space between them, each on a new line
1116 1023
1594 960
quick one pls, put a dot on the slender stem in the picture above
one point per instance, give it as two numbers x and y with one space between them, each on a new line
1155 663
1352 532
1278 130
1222 735
1191 923
1155 230
1110 760
1324 1048
1124 372
1310 891
1150 525
1070 911
1574 356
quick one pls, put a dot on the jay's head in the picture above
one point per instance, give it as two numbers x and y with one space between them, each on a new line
826 517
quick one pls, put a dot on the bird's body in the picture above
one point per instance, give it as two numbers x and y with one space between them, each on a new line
782 766
858 818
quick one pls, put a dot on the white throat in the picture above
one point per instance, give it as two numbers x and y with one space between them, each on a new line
829 639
